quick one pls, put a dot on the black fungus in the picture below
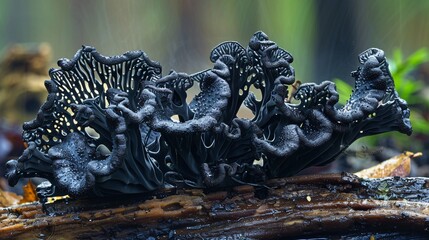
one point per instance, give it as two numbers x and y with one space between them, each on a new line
107 125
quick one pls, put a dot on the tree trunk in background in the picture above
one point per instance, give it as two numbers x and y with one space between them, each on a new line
335 205
335 52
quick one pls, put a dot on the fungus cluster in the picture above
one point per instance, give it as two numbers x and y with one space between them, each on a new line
106 127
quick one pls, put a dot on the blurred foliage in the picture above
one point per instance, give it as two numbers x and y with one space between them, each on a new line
409 87
23 70
181 33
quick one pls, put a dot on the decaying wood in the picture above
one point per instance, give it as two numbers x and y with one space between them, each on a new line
304 206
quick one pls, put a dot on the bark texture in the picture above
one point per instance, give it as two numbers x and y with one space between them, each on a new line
334 205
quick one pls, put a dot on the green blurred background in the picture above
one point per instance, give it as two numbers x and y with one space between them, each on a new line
323 36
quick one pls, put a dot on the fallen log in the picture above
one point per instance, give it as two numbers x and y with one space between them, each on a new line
332 205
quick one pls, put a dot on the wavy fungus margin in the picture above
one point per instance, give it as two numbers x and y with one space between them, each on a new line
106 127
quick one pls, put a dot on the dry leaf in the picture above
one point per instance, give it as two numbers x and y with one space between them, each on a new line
30 194
397 166
8 198
53 199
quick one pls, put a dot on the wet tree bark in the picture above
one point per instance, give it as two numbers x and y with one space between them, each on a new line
332 205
